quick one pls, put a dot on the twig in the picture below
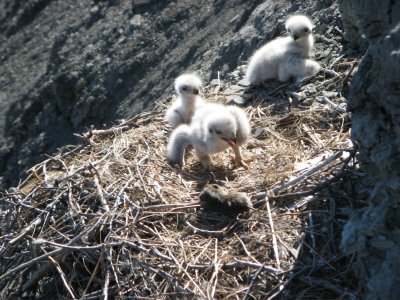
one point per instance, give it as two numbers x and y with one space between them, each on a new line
311 133
335 61
261 196
245 249
308 173
293 252
312 281
5 199
172 207
103 201
346 78
45 177
109 258
63 278
305 79
214 276
116 129
106 284
157 189
253 280
42 271
274 243
313 243
85 166
282 285
247 264
331 72
28 229
276 89
128 182
171 280
141 178
99 261
218 87
320 186
187 274
206 232
276 135
106 132
327 82
305 201
331 104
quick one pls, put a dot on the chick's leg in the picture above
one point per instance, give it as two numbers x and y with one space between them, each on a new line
204 159
238 159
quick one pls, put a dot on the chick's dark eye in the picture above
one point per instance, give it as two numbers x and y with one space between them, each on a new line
185 88
218 131
305 29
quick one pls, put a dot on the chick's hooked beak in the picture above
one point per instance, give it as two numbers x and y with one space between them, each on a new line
195 91
231 142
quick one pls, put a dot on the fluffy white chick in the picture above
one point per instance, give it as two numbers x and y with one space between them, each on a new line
286 57
214 128
187 87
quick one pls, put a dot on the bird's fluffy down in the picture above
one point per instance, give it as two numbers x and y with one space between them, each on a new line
286 57
187 88
214 128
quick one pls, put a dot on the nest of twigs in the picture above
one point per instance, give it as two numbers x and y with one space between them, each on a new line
112 218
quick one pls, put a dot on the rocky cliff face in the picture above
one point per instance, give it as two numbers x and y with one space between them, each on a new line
69 64
373 231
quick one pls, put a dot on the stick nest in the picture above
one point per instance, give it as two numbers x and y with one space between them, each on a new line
112 218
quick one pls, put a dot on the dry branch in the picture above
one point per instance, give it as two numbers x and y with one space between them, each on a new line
308 173
274 243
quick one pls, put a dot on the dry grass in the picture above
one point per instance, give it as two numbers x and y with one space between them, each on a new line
110 217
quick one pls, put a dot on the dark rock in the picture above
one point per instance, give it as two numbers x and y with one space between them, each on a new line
373 230
235 99
233 89
68 65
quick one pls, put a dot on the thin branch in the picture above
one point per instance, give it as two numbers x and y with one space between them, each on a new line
274 243
308 173
63 278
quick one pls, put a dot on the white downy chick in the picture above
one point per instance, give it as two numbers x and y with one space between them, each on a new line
214 128
187 88
287 57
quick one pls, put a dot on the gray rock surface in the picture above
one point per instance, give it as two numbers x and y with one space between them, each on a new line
373 232
69 64
66 65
